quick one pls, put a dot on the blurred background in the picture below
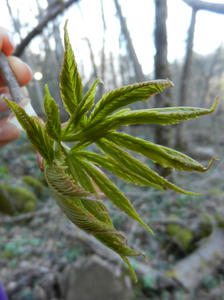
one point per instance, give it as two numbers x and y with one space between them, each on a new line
42 255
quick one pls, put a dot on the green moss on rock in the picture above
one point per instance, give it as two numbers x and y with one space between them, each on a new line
182 236
14 200
33 183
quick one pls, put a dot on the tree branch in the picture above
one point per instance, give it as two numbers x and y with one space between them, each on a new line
10 79
25 217
52 13
202 5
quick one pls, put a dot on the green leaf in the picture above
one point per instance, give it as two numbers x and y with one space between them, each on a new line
164 156
53 124
63 184
136 166
111 191
160 116
82 108
88 100
132 271
117 169
35 131
93 219
104 233
70 81
126 95
79 173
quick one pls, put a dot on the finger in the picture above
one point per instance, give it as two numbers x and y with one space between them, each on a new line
8 133
6 42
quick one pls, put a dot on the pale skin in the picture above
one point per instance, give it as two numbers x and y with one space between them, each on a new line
23 74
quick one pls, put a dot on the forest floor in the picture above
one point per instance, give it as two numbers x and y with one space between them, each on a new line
35 250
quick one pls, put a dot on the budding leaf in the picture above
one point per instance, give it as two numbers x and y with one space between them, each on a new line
74 175
35 130
70 81
124 158
53 124
126 95
164 156
111 191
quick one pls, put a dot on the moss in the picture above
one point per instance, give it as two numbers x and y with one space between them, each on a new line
182 236
205 226
220 221
15 200
6 206
171 273
34 184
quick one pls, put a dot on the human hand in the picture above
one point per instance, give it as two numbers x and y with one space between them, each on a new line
22 72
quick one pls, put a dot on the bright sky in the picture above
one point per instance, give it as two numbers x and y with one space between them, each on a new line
85 20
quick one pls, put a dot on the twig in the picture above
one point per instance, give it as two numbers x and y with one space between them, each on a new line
24 217
10 79
167 222
52 12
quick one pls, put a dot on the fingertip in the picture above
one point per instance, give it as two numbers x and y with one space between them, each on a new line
6 42
21 70
8 133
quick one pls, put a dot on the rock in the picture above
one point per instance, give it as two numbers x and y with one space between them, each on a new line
39 293
191 270
93 279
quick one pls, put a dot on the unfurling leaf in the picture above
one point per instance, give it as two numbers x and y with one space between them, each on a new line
53 124
111 191
73 174
126 95
90 215
125 159
35 131
70 81
79 115
164 156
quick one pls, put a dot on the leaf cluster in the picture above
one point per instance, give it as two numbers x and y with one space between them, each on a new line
76 175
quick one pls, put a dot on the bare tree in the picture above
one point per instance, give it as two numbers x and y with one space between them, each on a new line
103 55
185 77
130 48
92 58
113 74
196 5
162 134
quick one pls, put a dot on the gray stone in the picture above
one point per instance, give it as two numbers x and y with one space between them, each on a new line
94 279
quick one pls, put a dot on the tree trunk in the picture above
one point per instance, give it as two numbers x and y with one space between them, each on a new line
103 55
185 77
162 134
92 58
130 48
113 74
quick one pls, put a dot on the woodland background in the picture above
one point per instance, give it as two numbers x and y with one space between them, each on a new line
42 255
